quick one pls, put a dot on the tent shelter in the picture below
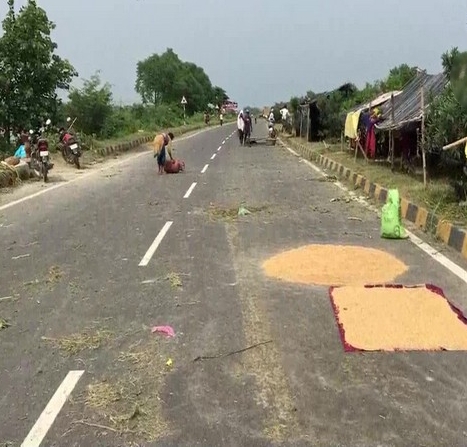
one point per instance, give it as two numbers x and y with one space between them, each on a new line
402 117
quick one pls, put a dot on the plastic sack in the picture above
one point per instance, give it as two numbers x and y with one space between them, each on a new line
391 222
174 166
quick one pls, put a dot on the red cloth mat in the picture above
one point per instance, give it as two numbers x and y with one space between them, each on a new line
381 323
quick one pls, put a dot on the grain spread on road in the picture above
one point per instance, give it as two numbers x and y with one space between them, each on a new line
334 265
398 318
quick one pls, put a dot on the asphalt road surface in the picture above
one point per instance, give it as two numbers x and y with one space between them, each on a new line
88 268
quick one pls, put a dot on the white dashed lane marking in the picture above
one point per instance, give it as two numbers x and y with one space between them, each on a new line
157 241
204 169
190 190
51 411
213 156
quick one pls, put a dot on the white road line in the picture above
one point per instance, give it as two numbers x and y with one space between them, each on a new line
94 172
223 142
204 169
428 249
219 148
213 156
48 416
190 190
152 249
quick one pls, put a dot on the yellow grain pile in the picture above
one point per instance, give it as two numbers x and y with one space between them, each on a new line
333 265
387 318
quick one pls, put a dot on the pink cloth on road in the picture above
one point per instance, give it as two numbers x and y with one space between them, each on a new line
166 330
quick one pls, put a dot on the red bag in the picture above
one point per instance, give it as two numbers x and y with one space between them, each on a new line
174 166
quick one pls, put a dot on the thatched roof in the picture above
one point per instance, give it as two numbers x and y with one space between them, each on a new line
407 105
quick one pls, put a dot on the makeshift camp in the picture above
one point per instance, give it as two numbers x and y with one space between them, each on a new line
317 113
355 128
401 126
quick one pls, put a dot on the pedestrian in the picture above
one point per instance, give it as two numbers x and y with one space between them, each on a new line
247 127
240 126
221 118
161 148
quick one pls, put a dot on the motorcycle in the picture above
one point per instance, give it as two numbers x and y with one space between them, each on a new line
40 158
70 146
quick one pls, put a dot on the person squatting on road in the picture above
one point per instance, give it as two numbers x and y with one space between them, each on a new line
161 148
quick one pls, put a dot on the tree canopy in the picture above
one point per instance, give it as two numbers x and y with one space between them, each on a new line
30 70
165 79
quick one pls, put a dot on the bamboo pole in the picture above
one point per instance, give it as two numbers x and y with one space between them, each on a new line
423 135
392 132
455 144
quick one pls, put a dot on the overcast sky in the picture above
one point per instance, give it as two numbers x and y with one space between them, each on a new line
259 51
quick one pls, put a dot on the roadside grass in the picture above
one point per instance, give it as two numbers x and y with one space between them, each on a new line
438 197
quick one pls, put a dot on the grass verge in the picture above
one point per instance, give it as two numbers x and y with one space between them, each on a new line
437 197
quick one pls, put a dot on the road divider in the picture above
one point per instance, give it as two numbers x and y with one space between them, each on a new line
157 241
190 190
51 411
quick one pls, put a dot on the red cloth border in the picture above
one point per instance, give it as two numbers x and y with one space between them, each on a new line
432 288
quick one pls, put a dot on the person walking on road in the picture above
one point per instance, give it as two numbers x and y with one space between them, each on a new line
247 127
240 126
221 118
161 148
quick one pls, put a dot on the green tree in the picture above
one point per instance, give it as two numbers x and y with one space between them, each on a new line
31 71
91 105
219 96
164 79
398 77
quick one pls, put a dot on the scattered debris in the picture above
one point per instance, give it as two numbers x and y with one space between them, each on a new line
174 279
228 354
128 402
242 211
190 303
230 214
90 424
54 275
339 199
169 363
4 324
355 218
320 210
166 330
76 343
20 257
5 298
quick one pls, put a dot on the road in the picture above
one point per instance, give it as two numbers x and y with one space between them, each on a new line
93 265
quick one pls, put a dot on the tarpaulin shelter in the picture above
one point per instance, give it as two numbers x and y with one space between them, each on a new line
308 118
403 118
352 120
407 106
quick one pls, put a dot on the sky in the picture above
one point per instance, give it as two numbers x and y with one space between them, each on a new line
259 51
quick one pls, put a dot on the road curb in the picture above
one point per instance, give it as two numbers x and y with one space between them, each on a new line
451 235
123 147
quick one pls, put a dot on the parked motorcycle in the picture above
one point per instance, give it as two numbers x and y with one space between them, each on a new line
40 158
70 146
